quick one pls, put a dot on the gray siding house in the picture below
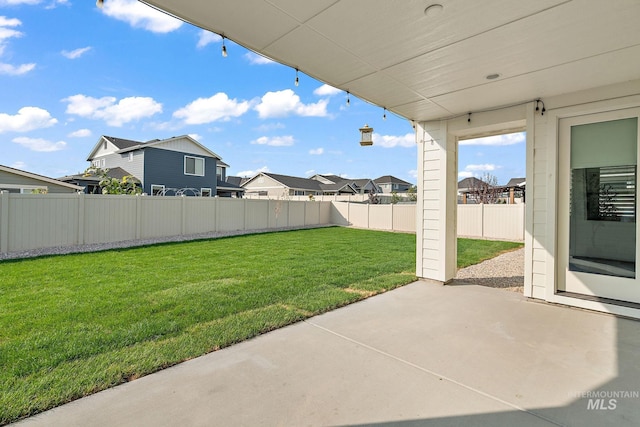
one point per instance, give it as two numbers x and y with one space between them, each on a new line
177 165
19 181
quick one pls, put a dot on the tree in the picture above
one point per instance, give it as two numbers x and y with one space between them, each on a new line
412 193
110 185
486 189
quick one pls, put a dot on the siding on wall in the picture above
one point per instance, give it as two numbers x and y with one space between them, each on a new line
134 167
166 167
14 179
537 196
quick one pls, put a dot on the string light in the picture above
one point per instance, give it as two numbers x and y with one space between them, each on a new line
297 79
384 116
224 48
100 3
469 118
348 99
539 101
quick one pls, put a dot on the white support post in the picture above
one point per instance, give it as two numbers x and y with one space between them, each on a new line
436 206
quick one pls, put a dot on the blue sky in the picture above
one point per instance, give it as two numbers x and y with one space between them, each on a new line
71 72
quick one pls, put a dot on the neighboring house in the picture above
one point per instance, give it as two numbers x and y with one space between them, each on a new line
389 184
275 185
177 165
91 182
19 181
362 186
473 190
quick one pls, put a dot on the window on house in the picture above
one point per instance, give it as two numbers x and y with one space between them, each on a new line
131 156
298 193
95 163
104 145
205 192
156 190
193 166
103 163
220 173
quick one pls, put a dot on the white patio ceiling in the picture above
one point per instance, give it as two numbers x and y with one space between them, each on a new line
422 67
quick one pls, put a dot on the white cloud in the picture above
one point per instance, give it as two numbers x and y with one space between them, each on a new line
76 53
326 90
196 136
53 3
114 114
6 32
286 102
391 141
316 151
256 59
139 15
310 172
39 144
80 133
508 139
465 174
207 110
12 70
413 173
266 127
18 165
207 37
485 167
275 141
252 173
27 119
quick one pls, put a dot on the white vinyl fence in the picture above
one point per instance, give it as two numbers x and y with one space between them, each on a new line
32 221
396 217
504 222
492 221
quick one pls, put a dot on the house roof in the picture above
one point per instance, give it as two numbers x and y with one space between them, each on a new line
470 182
516 182
390 179
235 180
117 173
126 145
227 185
427 61
295 182
42 178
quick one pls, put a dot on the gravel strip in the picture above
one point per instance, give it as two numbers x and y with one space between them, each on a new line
505 271
61 250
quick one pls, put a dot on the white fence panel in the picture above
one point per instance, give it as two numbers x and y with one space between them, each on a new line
380 217
404 218
161 216
257 214
40 221
230 214
470 220
109 218
296 213
312 213
199 215
278 213
504 221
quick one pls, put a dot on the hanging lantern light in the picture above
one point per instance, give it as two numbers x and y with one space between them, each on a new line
366 136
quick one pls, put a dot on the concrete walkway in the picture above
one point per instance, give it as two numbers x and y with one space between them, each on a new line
424 354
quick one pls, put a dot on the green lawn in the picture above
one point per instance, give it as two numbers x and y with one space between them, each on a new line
75 324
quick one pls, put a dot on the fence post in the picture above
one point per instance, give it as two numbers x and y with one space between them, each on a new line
393 208
81 225
217 213
183 215
4 222
244 207
138 216
482 219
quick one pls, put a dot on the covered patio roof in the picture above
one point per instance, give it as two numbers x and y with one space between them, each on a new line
428 60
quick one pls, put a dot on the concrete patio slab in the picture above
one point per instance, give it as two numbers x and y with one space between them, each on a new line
424 354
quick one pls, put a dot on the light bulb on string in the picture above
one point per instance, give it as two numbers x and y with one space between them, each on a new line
224 48
348 99
297 79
